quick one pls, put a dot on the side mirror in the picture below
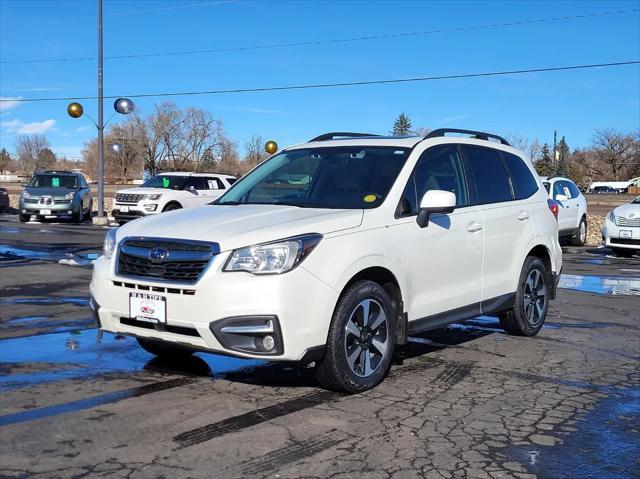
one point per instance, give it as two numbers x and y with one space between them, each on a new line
561 198
435 201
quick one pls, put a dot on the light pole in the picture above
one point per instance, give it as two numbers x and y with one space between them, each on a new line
124 106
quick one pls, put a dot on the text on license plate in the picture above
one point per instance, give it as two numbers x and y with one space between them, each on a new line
45 212
124 209
625 234
151 308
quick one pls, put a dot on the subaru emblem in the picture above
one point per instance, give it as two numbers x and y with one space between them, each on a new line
158 254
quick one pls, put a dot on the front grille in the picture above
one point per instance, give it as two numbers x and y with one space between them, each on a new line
128 198
62 202
633 222
182 261
634 242
31 201
185 331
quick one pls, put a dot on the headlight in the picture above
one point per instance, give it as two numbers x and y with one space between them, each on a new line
109 244
69 196
25 194
273 258
152 197
612 217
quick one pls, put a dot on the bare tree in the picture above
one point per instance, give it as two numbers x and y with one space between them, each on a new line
618 151
254 153
28 149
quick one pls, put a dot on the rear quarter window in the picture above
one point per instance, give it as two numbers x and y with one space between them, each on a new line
522 179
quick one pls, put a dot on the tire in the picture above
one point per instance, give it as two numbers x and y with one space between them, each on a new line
581 236
529 312
24 218
78 217
347 366
122 223
622 252
172 207
162 349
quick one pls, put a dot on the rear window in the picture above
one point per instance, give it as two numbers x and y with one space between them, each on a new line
522 179
491 179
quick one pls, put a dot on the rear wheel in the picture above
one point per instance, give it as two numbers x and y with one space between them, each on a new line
361 340
529 312
581 236
162 349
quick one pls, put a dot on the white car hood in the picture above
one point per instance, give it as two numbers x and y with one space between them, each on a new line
144 191
628 211
235 226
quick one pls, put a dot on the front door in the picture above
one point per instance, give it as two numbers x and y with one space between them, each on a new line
445 257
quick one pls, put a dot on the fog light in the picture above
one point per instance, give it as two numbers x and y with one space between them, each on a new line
150 207
24 211
268 343
69 211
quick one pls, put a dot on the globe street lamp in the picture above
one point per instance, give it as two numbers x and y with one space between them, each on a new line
124 106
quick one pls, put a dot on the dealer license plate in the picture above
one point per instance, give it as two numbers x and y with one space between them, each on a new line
45 212
124 209
626 234
151 308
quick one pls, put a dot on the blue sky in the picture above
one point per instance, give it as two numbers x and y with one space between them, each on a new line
575 103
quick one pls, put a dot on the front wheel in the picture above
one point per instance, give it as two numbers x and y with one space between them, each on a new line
529 312
162 349
581 236
622 252
24 218
172 207
361 340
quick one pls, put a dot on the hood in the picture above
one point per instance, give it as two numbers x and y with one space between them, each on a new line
49 191
235 226
626 210
140 190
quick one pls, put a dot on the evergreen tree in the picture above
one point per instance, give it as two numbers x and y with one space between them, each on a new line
5 160
402 125
563 162
544 166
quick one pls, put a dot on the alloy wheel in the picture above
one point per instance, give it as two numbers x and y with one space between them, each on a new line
366 338
535 297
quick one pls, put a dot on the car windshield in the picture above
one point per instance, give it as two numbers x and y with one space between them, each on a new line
171 182
353 177
54 181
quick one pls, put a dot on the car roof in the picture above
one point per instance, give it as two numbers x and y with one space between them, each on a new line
190 173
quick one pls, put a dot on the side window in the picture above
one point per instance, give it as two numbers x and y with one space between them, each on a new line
565 189
439 168
575 192
197 182
213 184
491 179
557 189
231 181
523 181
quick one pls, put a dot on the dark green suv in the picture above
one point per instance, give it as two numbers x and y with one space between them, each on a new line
63 194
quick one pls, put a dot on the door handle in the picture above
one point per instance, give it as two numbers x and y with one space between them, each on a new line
473 227
523 216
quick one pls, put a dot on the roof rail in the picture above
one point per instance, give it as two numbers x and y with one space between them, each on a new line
338 134
59 171
480 135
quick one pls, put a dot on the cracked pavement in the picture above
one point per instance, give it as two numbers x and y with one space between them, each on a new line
465 401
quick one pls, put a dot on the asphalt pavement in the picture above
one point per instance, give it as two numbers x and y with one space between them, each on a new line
465 401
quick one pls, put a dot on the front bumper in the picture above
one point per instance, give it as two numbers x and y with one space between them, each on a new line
613 237
300 304
62 209
133 211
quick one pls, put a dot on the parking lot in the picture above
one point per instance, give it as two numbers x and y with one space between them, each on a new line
462 401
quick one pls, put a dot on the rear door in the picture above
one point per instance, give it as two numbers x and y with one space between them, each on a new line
507 223
568 213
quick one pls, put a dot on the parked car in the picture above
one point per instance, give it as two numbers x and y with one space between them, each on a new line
604 190
572 211
385 237
169 191
621 228
59 194
4 199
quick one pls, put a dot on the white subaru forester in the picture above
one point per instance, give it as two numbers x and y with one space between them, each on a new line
334 251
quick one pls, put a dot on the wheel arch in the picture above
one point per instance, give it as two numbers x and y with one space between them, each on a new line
170 203
388 280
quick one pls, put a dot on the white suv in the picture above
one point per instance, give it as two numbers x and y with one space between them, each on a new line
621 228
334 251
572 208
169 191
